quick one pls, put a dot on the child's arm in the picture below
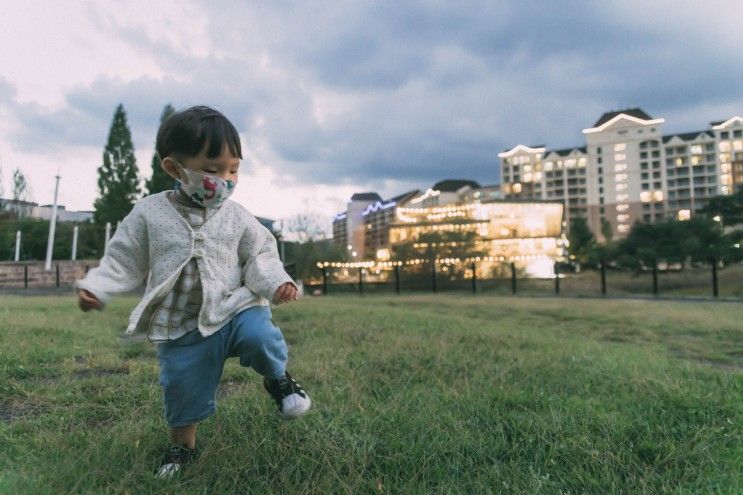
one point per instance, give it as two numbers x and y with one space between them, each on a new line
123 266
263 271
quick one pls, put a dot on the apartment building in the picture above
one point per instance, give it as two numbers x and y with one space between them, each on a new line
629 171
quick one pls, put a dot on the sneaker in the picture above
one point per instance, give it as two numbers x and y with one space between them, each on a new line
290 397
174 460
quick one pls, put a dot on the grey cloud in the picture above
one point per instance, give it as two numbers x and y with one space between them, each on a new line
438 88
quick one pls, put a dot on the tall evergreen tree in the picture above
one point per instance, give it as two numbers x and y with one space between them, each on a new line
20 186
160 180
118 180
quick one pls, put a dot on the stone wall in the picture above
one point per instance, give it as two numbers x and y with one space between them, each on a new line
32 273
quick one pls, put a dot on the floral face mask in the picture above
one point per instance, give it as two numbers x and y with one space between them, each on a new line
206 190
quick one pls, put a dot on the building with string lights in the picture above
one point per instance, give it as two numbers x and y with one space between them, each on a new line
630 171
456 221
527 233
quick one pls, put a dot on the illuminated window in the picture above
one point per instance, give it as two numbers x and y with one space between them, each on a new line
570 163
538 176
620 177
620 147
622 207
622 197
620 157
516 188
619 167
527 177
725 179
581 162
725 168
684 214
696 149
527 168
622 218
623 228
645 196
679 162
548 166
738 145
658 195
620 187
724 146
695 160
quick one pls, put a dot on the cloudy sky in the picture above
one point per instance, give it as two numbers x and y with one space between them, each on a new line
338 97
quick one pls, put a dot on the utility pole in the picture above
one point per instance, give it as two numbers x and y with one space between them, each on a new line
283 254
52 227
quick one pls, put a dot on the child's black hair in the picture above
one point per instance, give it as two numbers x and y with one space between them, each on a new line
186 132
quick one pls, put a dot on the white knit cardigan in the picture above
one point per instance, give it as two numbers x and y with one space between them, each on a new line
237 259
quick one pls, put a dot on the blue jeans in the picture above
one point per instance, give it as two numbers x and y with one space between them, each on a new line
191 366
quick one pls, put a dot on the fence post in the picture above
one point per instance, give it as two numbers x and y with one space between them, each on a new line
715 286
74 243
655 277
17 245
603 277
557 278
361 281
433 275
57 266
25 276
86 268
474 278
397 279
513 278
324 282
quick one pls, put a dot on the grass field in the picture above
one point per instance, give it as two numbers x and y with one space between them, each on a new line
413 394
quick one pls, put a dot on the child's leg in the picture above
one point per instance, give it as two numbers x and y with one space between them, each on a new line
190 370
257 342
184 435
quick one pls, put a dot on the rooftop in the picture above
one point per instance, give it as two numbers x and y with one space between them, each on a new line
633 112
366 196
454 185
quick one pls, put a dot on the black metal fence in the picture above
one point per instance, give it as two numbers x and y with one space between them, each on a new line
710 279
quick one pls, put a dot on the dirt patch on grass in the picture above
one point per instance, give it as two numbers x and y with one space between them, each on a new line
229 388
15 409
719 363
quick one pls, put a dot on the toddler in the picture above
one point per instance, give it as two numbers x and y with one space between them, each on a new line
211 270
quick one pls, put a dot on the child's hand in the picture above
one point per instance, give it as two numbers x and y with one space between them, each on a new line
88 301
287 292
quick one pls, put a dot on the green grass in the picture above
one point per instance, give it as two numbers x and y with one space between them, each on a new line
414 394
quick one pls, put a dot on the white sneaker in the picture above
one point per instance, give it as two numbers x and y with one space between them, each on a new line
289 396
173 461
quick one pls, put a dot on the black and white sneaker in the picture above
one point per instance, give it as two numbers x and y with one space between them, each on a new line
289 396
174 460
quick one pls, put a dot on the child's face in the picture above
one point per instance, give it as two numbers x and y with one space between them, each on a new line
225 166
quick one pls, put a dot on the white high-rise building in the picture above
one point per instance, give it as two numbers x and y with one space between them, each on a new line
629 171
